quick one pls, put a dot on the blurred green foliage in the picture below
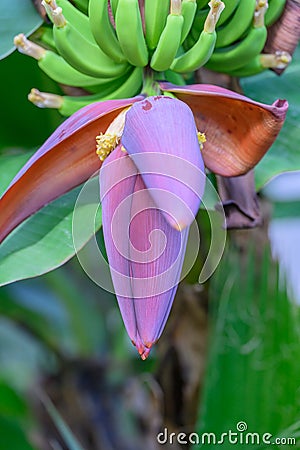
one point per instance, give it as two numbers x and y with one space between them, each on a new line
253 370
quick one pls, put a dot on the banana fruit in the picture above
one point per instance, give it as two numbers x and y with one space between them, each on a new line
109 47
68 105
236 56
128 22
275 10
55 66
261 62
103 31
240 21
188 11
156 13
169 41
202 50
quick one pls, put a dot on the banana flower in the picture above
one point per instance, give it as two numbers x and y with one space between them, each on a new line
151 182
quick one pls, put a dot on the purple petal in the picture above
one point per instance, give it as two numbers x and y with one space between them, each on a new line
160 135
117 180
145 253
156 262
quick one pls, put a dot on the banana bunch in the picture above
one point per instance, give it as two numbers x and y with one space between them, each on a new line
103 46
241 37
107 46
71 56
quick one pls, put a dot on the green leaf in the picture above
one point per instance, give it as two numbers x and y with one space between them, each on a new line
11 405
10 165
284 154
16 16
23 125
44 241
12 436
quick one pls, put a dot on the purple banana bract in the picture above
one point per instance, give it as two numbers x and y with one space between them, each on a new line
147 207
151 182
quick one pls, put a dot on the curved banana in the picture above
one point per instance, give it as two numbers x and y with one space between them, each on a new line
202 50
129 30
225 60
73 15
103 31
274 11
262 62
169 41
230 7
61 72
156 13
81 54
68 105
188 11
55 66
131 86
238 24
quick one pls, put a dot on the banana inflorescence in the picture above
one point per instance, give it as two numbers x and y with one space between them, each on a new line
107 46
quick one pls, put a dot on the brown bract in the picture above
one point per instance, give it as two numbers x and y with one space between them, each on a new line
239 201
239 131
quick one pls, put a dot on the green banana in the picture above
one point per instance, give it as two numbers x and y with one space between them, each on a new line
236 56
61 72
68 105
274 11
81 54
262 62
129 30
77 18
55 66
238 24
202 50
103 31
168 43
156 12
128 89
230 6
188 11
